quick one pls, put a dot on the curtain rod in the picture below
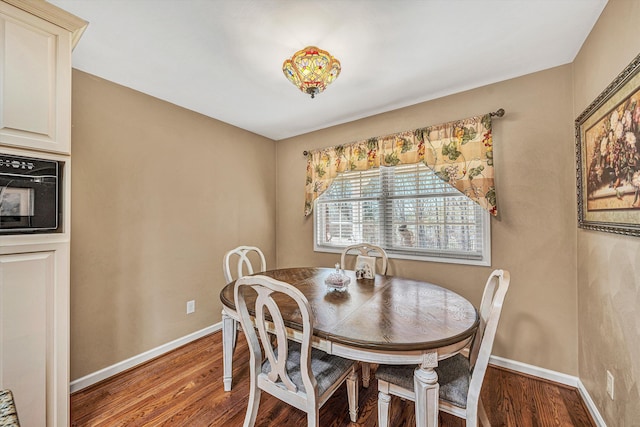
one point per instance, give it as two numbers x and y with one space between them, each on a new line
497 113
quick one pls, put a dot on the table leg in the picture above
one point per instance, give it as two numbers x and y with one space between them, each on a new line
425 380
229 336
366 373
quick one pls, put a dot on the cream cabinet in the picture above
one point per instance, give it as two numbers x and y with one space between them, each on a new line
34 325
35 77
36 40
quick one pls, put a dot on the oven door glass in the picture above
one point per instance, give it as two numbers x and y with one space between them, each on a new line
28 205
16 207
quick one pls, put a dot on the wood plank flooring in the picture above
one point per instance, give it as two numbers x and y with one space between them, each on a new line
184 388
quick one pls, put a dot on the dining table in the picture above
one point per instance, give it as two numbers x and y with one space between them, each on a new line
384 320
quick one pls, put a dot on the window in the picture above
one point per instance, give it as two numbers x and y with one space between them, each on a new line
405 209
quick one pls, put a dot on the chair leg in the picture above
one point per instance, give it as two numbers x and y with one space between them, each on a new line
384 402
366 374
252 406
313 417
352 394
482 414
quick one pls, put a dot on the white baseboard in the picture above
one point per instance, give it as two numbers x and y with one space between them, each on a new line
554 376
119 367
591 405
535 371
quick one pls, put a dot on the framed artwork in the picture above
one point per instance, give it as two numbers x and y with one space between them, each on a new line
608 157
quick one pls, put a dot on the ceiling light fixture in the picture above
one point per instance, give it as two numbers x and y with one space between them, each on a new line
311 69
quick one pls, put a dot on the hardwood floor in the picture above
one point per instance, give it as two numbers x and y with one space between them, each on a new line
184 388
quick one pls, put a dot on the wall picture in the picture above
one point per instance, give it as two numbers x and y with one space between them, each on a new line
608 157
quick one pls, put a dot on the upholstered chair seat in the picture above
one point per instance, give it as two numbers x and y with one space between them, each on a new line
453 377
327 369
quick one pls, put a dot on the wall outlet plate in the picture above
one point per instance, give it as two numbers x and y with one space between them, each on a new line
191 306
610 384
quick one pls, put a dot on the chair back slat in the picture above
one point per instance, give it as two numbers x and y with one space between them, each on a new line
272 297
366 249
244 262
277 359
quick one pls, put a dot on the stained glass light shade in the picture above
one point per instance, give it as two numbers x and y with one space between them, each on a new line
311 70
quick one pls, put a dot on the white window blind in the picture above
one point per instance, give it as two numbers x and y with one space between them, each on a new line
405 209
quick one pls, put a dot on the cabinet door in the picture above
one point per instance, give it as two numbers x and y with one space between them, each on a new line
35 82
34 337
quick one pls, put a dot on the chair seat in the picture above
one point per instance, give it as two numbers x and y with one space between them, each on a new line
453 377
326 368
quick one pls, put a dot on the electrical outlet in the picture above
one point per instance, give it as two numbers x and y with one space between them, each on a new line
610 384
191 306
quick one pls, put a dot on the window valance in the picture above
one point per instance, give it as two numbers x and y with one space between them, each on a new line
459 152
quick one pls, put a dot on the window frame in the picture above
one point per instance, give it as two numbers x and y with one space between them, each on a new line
485 260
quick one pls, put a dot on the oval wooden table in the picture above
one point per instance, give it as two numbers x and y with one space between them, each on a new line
386 320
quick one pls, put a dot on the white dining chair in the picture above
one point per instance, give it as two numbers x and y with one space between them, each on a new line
244 263
459 377
243 266
366 249
293 372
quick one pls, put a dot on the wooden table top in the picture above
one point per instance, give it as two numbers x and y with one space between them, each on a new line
386 313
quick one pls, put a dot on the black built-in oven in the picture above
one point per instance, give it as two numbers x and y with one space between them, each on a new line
30 195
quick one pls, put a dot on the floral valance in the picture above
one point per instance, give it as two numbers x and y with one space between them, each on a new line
459 152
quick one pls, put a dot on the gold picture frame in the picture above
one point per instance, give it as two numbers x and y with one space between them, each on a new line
608 157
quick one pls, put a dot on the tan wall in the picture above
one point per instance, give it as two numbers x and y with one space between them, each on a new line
535 235
156 201
609 265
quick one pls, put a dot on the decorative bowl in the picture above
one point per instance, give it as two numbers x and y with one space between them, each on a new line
337 282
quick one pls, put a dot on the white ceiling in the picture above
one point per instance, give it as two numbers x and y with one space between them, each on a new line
223 58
